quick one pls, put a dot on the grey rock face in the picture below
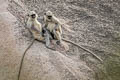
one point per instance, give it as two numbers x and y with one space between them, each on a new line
96 26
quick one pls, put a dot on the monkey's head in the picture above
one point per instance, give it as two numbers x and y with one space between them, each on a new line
49 15
33 15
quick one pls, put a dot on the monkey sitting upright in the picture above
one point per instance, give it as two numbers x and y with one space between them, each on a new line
52 24
34 26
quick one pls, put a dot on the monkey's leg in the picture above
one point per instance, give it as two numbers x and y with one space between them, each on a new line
58 36
23 58
47 40
38 36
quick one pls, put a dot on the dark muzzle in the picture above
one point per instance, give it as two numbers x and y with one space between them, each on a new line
49 17
33 15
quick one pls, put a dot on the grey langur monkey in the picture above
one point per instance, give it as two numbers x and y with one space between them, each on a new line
53 25
34 26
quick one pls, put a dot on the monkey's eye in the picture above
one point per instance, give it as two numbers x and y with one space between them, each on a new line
49 17
33 15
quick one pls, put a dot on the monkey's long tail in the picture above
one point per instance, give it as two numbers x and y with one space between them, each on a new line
82 48
23 59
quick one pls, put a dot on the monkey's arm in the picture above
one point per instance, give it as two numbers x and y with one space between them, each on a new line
40 28
57 25
69 41
44 18
56 20
62 25
27 26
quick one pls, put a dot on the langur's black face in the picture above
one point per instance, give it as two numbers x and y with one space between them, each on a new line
49 17
33 16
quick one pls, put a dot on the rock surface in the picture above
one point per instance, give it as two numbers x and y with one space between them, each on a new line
97 23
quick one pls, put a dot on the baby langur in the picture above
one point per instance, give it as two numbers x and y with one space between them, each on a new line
34 26
47 37
52 24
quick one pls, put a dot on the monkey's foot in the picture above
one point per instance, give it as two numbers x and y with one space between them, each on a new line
65 45
58 43
61 47
52 47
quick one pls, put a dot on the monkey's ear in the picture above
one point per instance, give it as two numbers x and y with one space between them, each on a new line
44 13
